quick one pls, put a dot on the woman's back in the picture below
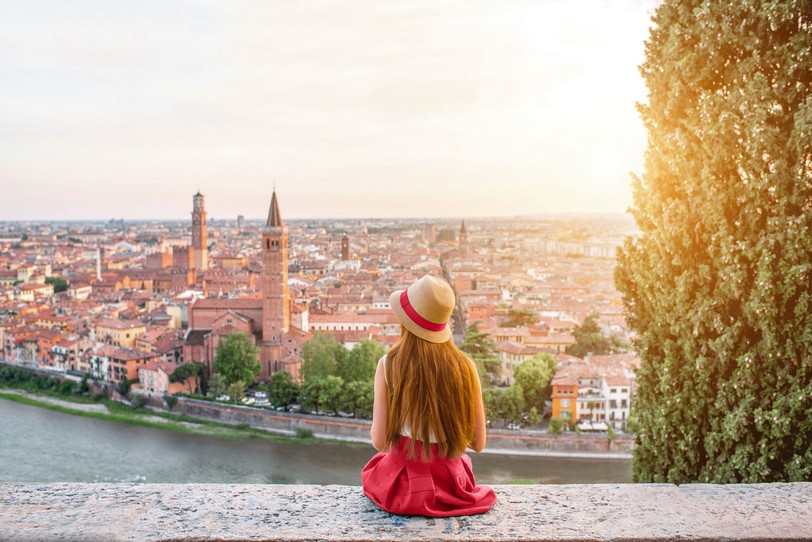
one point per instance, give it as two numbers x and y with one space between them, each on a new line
428 387
432 389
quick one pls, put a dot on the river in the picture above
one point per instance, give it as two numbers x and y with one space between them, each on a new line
40 445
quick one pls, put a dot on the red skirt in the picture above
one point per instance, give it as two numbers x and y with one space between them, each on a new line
440 487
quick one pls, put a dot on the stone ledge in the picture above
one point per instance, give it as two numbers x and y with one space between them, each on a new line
169 512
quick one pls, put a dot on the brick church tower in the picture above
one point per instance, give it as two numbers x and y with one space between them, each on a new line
200 237
275 293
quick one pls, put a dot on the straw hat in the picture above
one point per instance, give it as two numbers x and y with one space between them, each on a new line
425 308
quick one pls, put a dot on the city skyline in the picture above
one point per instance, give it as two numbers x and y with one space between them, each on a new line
418 110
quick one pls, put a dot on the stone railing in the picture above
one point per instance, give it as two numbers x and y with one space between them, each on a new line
168 512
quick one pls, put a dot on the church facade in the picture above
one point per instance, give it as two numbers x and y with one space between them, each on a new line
265 319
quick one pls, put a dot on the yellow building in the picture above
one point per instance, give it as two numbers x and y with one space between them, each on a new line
116 332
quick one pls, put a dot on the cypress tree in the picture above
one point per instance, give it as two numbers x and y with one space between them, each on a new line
719 284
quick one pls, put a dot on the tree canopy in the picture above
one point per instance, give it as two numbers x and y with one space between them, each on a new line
520 317
719 284
321 356
183 372
480 348
282 390
237 359
360 364
59 284
534 376
590 340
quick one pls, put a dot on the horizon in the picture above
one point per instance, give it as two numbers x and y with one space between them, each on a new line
398 109
209 220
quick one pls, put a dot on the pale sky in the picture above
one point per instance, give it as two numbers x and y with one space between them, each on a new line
369 108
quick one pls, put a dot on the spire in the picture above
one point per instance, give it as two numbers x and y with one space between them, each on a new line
462 228
274 218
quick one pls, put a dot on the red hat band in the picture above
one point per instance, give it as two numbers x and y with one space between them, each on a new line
416 318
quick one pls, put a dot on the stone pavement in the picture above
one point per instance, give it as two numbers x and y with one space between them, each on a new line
627 512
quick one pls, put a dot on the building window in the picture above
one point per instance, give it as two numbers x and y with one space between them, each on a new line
565 402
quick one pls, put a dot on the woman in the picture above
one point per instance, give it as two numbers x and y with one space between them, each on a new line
428 409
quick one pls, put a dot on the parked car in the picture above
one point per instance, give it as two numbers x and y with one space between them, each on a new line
514 426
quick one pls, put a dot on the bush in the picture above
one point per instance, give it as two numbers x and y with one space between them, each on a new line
123 387
556 425
66 387
304 433
170 401
137 402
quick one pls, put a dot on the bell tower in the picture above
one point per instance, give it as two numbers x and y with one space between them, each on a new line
463 239
275 293
200 237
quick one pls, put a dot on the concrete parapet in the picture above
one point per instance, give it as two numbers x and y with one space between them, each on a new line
633 512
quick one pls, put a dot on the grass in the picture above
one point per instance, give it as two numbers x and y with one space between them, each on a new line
118 412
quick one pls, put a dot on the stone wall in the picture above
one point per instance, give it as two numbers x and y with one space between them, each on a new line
175 512
358 430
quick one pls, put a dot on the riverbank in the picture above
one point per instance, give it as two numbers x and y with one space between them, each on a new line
109 410
238 422
234 421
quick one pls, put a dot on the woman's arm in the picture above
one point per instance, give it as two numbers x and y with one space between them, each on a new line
378 431
480 434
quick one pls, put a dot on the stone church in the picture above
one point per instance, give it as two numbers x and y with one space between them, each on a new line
266 319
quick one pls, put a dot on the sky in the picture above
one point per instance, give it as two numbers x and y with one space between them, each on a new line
370 108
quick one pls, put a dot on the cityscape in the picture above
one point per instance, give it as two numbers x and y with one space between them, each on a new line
124 301
281 270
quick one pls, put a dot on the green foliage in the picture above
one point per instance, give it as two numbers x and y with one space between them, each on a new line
123 387
360 364
610 435
719 284
321 357
505 404
236 359
282 390
514 405
59 284
323 393
66 387
217 385
357 397
590 340
480 348
137 402
534 376
170 401
533 416
493 398
520 318
183 372
556 425
304 433
236 390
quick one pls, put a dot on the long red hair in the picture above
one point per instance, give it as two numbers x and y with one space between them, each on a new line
432 388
